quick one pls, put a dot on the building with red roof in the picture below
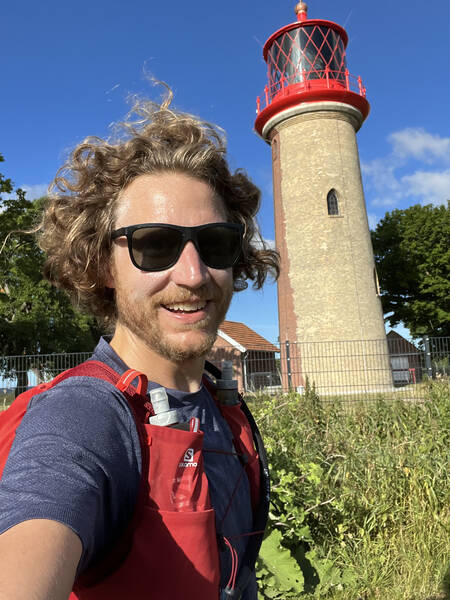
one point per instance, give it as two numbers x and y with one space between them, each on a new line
255 359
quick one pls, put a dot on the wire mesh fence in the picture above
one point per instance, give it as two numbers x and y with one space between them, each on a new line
356 368
19 373
336 369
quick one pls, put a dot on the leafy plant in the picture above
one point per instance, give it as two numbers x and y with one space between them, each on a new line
282 575
359 496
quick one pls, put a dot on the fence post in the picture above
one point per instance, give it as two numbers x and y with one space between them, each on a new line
244 371
426 341
288 364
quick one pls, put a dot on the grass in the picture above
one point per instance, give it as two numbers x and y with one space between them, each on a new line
379 511
6 400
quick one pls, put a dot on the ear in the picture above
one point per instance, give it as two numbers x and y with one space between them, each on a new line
107 275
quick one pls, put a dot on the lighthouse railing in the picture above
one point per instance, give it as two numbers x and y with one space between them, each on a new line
306 81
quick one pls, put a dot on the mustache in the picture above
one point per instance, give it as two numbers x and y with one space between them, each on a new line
180 295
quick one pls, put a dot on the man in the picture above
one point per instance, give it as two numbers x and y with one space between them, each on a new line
151 234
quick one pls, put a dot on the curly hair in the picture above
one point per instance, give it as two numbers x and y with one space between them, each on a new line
80 214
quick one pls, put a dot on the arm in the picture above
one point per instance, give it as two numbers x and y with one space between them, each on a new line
38 559
74 461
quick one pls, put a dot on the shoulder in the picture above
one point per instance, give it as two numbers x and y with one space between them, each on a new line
76 459
81 407
80 419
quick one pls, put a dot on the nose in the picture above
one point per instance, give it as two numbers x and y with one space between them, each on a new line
190 270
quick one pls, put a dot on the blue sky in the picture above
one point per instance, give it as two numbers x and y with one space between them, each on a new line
67 69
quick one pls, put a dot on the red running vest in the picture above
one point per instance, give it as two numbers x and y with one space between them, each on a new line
170 549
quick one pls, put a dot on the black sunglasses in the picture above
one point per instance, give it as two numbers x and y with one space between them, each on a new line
158 246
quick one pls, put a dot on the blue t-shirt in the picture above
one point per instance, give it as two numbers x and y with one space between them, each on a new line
76 459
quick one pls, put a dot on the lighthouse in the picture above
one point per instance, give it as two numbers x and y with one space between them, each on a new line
330 316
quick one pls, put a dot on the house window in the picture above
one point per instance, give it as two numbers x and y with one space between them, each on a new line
332 203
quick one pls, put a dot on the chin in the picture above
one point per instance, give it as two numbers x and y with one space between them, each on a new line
195 344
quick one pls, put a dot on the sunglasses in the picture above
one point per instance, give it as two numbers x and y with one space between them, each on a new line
158 246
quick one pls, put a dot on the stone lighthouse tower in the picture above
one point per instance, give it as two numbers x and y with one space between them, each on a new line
331 321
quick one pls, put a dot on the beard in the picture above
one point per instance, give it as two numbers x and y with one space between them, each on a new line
185 341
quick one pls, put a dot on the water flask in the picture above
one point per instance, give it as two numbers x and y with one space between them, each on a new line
164 415
227 387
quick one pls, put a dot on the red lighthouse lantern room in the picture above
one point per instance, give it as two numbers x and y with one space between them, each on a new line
306 63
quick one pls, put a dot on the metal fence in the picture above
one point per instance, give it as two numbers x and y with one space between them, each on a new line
339 368
343 368
364 368
18 373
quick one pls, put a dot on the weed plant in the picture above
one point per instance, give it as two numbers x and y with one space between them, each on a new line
360 498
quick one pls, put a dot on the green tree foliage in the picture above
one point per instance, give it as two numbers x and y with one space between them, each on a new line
5 184
35 318
412 254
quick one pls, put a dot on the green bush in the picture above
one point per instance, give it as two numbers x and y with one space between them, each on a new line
360 505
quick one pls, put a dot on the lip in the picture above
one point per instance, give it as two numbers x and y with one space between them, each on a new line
189 317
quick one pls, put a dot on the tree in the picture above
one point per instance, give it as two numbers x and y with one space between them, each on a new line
35 317
5 184
412 254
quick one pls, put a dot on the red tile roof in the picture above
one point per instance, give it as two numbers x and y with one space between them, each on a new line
246 337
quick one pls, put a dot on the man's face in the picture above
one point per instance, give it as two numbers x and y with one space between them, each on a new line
176 312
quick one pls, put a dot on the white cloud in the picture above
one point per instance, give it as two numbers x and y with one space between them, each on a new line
388 188
383 182
35 190
269 243
382 174
386 201
373 220
419 144
433 187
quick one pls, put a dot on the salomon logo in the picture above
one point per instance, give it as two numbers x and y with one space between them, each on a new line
187 459
189 455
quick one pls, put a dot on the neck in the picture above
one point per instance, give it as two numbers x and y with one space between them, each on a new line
185 376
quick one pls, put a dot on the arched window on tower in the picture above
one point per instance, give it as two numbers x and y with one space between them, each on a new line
332 202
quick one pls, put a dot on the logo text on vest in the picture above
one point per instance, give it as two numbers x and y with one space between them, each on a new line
188 459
